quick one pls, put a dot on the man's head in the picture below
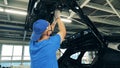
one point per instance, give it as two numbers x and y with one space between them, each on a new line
39 27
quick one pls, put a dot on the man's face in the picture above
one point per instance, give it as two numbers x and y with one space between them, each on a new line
48 30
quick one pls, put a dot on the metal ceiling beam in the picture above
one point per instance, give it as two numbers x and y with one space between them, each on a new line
81 6
70 32
101 7
25 34
101 20
105 16
11 28
11 31
95 19
108 31
23 1
13 37
10 34
17 22
6 3
84 3
104 21
105 30
111 28
13 7
113 8
114 46
9 23
71 26
14 42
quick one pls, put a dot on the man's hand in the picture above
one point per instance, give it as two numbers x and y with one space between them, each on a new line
53 24
57 14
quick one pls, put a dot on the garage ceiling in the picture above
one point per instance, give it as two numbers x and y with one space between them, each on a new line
105 14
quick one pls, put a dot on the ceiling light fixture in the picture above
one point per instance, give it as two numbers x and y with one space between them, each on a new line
66 20
1 9
15 12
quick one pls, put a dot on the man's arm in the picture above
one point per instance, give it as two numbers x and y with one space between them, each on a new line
56 15
62 29
53 24
61 26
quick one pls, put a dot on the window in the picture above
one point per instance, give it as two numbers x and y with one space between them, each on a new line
88 57
6 58
62 51
17 52
12 55
6 52
26 53
75 56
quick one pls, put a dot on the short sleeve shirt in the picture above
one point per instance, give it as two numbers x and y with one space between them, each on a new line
43 53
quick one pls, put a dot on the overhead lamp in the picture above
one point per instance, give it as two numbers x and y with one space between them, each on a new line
1 9
66 20
15 12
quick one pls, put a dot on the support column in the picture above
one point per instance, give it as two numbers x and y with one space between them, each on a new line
0 52
22 57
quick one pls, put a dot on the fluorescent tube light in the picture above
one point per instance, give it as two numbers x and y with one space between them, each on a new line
15 11
1 9
6 2
66 20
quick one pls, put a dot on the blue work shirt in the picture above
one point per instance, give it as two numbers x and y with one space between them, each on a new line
43 53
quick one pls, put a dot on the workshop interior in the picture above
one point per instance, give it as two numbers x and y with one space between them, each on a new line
92 39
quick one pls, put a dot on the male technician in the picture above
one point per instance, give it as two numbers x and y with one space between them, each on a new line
43 47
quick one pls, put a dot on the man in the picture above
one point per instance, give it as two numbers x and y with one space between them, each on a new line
43 47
